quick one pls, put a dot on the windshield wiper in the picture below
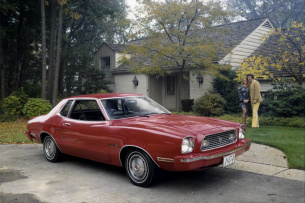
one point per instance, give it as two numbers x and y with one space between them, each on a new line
148 114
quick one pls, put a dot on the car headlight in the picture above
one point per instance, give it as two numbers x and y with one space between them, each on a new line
187 145
241 132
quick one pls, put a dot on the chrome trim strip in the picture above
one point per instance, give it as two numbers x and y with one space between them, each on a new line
52 138
138 148
165 159
213 156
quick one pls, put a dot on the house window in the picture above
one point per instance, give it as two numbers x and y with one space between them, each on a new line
105 61
170 85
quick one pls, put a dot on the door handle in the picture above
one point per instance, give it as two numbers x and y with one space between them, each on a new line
67 124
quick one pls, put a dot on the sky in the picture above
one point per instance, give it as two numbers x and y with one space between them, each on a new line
132 4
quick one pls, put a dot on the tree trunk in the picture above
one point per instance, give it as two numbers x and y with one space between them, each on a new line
43 54
20 49
61 77
179 90
2 67
52 51
58 48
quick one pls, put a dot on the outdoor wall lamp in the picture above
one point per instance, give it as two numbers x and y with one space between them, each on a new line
135 81
199 79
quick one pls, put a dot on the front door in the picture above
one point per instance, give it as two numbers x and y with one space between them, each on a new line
84 132
171 92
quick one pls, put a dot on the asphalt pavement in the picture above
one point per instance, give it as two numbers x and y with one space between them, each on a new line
260 175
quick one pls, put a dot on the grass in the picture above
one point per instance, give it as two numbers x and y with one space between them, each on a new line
13 132
288 139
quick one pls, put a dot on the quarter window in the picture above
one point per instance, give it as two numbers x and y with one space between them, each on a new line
64 112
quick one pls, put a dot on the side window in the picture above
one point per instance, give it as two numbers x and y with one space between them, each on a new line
64 111
87 110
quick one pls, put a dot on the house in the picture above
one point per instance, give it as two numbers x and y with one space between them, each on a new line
242 40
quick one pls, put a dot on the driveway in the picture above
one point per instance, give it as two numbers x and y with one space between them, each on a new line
26 176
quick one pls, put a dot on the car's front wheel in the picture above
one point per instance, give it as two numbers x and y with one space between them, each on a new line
140 168
51 151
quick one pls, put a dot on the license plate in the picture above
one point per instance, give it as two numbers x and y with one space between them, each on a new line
228 160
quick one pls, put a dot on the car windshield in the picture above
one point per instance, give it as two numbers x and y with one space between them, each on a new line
117 108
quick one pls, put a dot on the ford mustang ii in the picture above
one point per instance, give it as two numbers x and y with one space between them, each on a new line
134 132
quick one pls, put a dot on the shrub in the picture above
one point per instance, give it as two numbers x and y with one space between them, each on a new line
209 105
7 118
95 81
12 106
298 122
21 95
285 100
187 104
33 90
35 107
226 86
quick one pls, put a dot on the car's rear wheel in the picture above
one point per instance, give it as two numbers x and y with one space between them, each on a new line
140 168
51 151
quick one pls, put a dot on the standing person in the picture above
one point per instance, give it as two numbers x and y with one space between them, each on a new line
243 93
256 99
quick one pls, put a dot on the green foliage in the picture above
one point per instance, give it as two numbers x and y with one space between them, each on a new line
7 118
21 95
298 122
95 82
12 106
227 88
33 90
103 91
35 107
187 104
185 113
285 100
210 105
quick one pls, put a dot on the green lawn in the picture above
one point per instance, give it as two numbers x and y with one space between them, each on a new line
290 140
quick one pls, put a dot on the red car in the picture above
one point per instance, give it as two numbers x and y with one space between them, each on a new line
133 131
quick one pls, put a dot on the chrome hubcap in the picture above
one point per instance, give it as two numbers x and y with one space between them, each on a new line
50 148
138 167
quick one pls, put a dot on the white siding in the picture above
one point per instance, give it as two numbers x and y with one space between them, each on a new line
246 47
197 90
123 84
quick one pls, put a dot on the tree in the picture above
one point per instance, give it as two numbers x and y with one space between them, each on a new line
58 49
280 12
99 21
177 35
287 57
85 26
43 51
18 36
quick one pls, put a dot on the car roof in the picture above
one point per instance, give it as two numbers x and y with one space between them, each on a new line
104 96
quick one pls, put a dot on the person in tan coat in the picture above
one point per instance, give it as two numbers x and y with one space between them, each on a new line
255 98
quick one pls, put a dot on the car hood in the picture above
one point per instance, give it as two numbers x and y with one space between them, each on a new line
191 124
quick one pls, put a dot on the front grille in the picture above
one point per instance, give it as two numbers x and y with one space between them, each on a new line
218 140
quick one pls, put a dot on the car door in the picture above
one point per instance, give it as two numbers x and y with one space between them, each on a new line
84 132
